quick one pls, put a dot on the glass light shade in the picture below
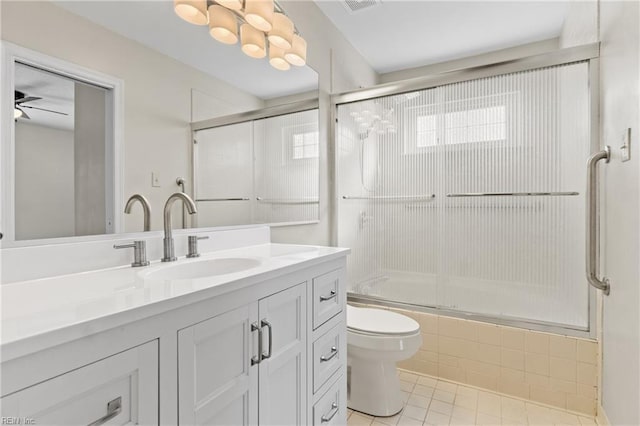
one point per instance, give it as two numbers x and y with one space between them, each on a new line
297 54
253 43
276 58
17 113
281 34
259 13
192 11
222 24
231 4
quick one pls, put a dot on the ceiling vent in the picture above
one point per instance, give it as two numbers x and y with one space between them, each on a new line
354 6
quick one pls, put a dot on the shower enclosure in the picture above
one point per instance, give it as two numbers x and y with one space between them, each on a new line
465 192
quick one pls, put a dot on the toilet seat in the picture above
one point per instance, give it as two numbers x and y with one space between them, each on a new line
378 322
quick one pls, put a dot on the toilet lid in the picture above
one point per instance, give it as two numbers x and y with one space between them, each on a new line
379 321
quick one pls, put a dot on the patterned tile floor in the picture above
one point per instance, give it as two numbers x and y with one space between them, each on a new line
429 401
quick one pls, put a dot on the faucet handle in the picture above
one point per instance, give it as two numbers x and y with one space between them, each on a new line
139 252
193 245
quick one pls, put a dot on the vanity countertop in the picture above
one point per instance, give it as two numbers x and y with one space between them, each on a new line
45 312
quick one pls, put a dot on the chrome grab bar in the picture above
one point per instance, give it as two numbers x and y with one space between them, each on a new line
331 414
334 352
392 197
593 221
257 358
287 201
223 199
114 407
512 194
266 323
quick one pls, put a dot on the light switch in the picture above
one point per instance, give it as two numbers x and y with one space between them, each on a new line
155 180
625 148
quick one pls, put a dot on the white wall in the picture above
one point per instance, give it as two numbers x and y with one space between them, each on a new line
44 155
157 91
615 25
501 55
619 34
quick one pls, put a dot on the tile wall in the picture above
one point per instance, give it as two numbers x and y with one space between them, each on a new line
551 369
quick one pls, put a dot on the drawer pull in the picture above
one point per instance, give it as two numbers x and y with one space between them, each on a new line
334 352
114 407
329 297
331 414
266 323
257 358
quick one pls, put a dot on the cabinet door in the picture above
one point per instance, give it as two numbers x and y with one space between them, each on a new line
118 390
216 383
283 384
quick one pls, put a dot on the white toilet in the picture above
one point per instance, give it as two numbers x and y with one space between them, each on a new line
376 340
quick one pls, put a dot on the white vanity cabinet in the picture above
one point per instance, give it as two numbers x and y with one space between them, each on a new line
267 349
226 372
120 389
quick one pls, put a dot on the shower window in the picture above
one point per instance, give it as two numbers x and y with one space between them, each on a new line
456 123
305 143
518 257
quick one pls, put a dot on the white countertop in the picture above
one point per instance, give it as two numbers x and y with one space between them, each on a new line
44 312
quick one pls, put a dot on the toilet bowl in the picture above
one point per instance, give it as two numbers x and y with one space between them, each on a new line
376 340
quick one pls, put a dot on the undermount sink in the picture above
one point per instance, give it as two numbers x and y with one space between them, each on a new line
203 269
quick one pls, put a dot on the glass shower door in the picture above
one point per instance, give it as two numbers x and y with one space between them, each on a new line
470 196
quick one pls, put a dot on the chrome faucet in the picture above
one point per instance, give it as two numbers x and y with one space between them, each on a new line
145 206
169 252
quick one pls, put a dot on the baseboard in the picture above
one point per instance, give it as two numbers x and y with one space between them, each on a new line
601 416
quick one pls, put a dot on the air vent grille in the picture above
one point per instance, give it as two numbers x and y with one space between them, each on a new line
354 6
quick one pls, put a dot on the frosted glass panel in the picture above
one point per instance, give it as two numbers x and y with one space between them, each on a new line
499 255
286 172
260 171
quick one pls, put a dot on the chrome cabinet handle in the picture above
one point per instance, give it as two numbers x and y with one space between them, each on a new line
257 358
334 352
331 296
331 414
266 323
114 407
593 222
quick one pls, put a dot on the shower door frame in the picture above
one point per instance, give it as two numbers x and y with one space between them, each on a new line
588 53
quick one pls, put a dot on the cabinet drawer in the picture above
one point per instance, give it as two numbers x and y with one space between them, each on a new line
331 408
327 297
329 353
120 389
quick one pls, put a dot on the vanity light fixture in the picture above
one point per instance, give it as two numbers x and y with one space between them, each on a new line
253 41
222 24
297 54
276 58
259 13
259 21
281 34
192 11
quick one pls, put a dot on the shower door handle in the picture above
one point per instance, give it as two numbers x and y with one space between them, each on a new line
593 221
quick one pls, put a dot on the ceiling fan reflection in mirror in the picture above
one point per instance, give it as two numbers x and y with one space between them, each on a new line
20 99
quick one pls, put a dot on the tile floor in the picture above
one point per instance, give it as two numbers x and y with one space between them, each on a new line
430 401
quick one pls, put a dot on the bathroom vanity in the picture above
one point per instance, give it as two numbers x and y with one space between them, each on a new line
251 335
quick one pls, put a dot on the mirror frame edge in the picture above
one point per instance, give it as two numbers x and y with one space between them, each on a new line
12 54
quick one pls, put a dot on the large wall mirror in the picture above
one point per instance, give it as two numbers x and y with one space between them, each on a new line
107 101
